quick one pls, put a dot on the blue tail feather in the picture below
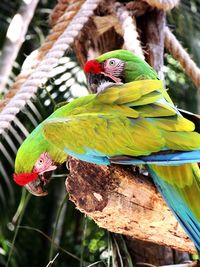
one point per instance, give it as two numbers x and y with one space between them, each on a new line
178 207
169 159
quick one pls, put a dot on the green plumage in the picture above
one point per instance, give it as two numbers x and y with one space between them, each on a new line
135 68
110 121
97 119
185 179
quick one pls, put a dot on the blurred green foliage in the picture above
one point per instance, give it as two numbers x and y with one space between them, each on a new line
184 21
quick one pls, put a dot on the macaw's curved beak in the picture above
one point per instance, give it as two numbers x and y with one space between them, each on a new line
95 80
38 186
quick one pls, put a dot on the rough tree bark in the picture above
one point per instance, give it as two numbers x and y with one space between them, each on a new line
125 203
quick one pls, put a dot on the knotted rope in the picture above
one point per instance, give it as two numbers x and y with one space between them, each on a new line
179 53
163 4
57 30
40 75
174 46
128 24
132 42
58 11
61 25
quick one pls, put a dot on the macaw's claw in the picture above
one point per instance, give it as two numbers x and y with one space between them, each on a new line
37 187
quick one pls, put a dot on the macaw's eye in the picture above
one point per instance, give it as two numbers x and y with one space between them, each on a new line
113 67
112 62
40 161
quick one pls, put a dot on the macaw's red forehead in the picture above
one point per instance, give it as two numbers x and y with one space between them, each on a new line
24 178
93 66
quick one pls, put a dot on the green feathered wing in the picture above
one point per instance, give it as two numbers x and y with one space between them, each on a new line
122 114
132 120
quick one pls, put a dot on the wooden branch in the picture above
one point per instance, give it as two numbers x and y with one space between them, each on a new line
155 254
155 40
124 202
103 32
151 26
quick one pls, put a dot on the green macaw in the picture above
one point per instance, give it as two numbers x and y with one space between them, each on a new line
179 184
129 123
123 66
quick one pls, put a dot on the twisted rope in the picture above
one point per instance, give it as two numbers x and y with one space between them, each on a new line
40 75
128 23
163 4
50 40
179 53
61 24
58 11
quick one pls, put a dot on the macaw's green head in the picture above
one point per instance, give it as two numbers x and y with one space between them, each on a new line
35 161
118 66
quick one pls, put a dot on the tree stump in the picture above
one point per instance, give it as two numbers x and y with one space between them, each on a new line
124 202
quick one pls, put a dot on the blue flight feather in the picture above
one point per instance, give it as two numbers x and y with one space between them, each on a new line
90 156
178 207
169 159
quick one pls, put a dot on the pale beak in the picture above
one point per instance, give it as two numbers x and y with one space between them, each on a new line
51 168
95 80
37 187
